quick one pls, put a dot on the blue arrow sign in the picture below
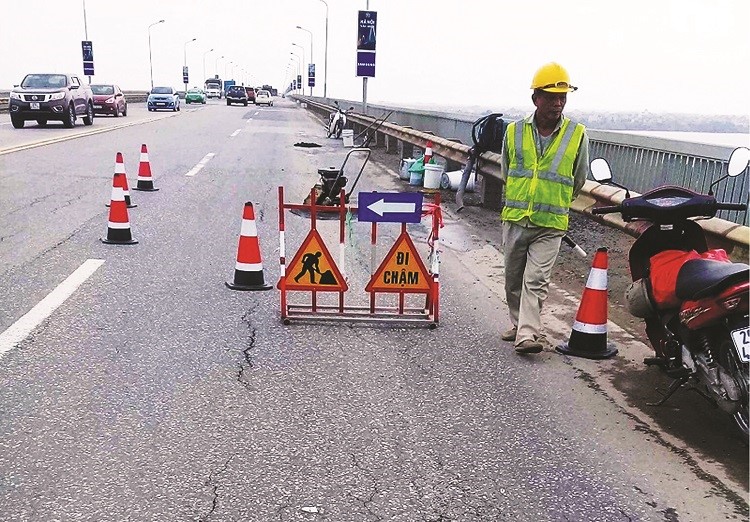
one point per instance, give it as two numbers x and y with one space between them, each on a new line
390 207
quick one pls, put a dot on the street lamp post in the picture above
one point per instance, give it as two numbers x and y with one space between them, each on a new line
312 61
204 63
85 30
230 62
296 57
216 65
325 64
150 64
184 56
302 66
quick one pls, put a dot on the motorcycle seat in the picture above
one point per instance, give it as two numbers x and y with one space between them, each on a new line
700 278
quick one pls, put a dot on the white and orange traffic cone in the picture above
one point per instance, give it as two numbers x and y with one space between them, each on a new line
589 336
427 152
120 169
145 181
118 226
248 271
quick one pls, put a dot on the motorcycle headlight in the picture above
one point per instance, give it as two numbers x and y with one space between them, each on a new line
16 95
57 96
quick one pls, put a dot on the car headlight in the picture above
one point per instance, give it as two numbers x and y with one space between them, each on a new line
110 100
15 96
57 96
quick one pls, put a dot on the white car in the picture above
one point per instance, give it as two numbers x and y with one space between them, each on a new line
263 98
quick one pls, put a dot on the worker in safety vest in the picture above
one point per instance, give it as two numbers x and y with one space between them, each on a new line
545 161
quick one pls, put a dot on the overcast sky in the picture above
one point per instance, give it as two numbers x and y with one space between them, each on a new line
634 55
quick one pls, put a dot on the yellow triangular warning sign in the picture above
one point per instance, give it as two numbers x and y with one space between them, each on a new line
313 268
402 270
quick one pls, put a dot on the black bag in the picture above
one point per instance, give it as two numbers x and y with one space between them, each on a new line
487 133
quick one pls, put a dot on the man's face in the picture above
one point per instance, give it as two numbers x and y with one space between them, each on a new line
549 105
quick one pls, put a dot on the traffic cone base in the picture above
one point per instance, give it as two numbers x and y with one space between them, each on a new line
588 338
119 239
248 270
243 281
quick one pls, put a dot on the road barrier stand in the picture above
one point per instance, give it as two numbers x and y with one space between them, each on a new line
401 272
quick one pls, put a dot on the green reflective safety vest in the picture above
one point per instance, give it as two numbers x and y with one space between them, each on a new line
540 188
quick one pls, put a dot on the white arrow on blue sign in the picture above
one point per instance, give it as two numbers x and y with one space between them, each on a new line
390 207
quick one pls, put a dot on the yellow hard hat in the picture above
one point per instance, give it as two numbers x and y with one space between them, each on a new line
552 77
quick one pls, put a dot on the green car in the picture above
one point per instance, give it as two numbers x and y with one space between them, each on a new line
195 95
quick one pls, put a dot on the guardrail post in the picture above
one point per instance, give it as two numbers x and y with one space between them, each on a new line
405 149
452 165
391 144
492 192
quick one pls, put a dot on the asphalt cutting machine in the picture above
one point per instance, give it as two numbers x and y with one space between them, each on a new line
332 181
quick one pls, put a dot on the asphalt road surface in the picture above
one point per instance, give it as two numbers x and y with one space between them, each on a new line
143 389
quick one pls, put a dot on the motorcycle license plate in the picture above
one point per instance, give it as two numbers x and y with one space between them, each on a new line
741 340
34 106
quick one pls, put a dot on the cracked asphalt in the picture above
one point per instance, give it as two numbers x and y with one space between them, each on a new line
155 393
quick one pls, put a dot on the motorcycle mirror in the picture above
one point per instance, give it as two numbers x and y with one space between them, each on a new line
738 161
601 171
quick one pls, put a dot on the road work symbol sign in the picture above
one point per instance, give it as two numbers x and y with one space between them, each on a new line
313 268
402 270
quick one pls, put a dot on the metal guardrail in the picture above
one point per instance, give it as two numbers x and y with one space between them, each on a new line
720 232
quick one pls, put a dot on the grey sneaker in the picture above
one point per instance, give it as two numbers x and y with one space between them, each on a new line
509 335
529 346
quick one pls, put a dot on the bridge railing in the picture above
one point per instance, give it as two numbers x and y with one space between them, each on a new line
638 162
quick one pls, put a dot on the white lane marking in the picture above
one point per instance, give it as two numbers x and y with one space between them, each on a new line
202 163
235 133
248 121
18 331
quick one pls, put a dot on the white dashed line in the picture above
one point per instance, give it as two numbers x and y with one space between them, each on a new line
235 133
18 331
202 163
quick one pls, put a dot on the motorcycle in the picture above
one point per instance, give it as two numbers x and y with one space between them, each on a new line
693 300
337 121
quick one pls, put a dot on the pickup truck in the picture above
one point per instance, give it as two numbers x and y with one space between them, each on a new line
44 97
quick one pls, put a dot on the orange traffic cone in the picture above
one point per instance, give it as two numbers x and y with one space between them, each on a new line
118 227
248 271
120 169
427 152
589 336
145 182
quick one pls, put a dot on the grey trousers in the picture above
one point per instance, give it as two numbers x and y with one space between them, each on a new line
530 253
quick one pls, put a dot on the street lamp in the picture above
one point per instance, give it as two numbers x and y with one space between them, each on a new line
325 65
302 65
296 57
150 64
204 63
230 62
312 61
216 65
184 55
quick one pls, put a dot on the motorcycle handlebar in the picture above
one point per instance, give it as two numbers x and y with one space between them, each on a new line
731 206
606 210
